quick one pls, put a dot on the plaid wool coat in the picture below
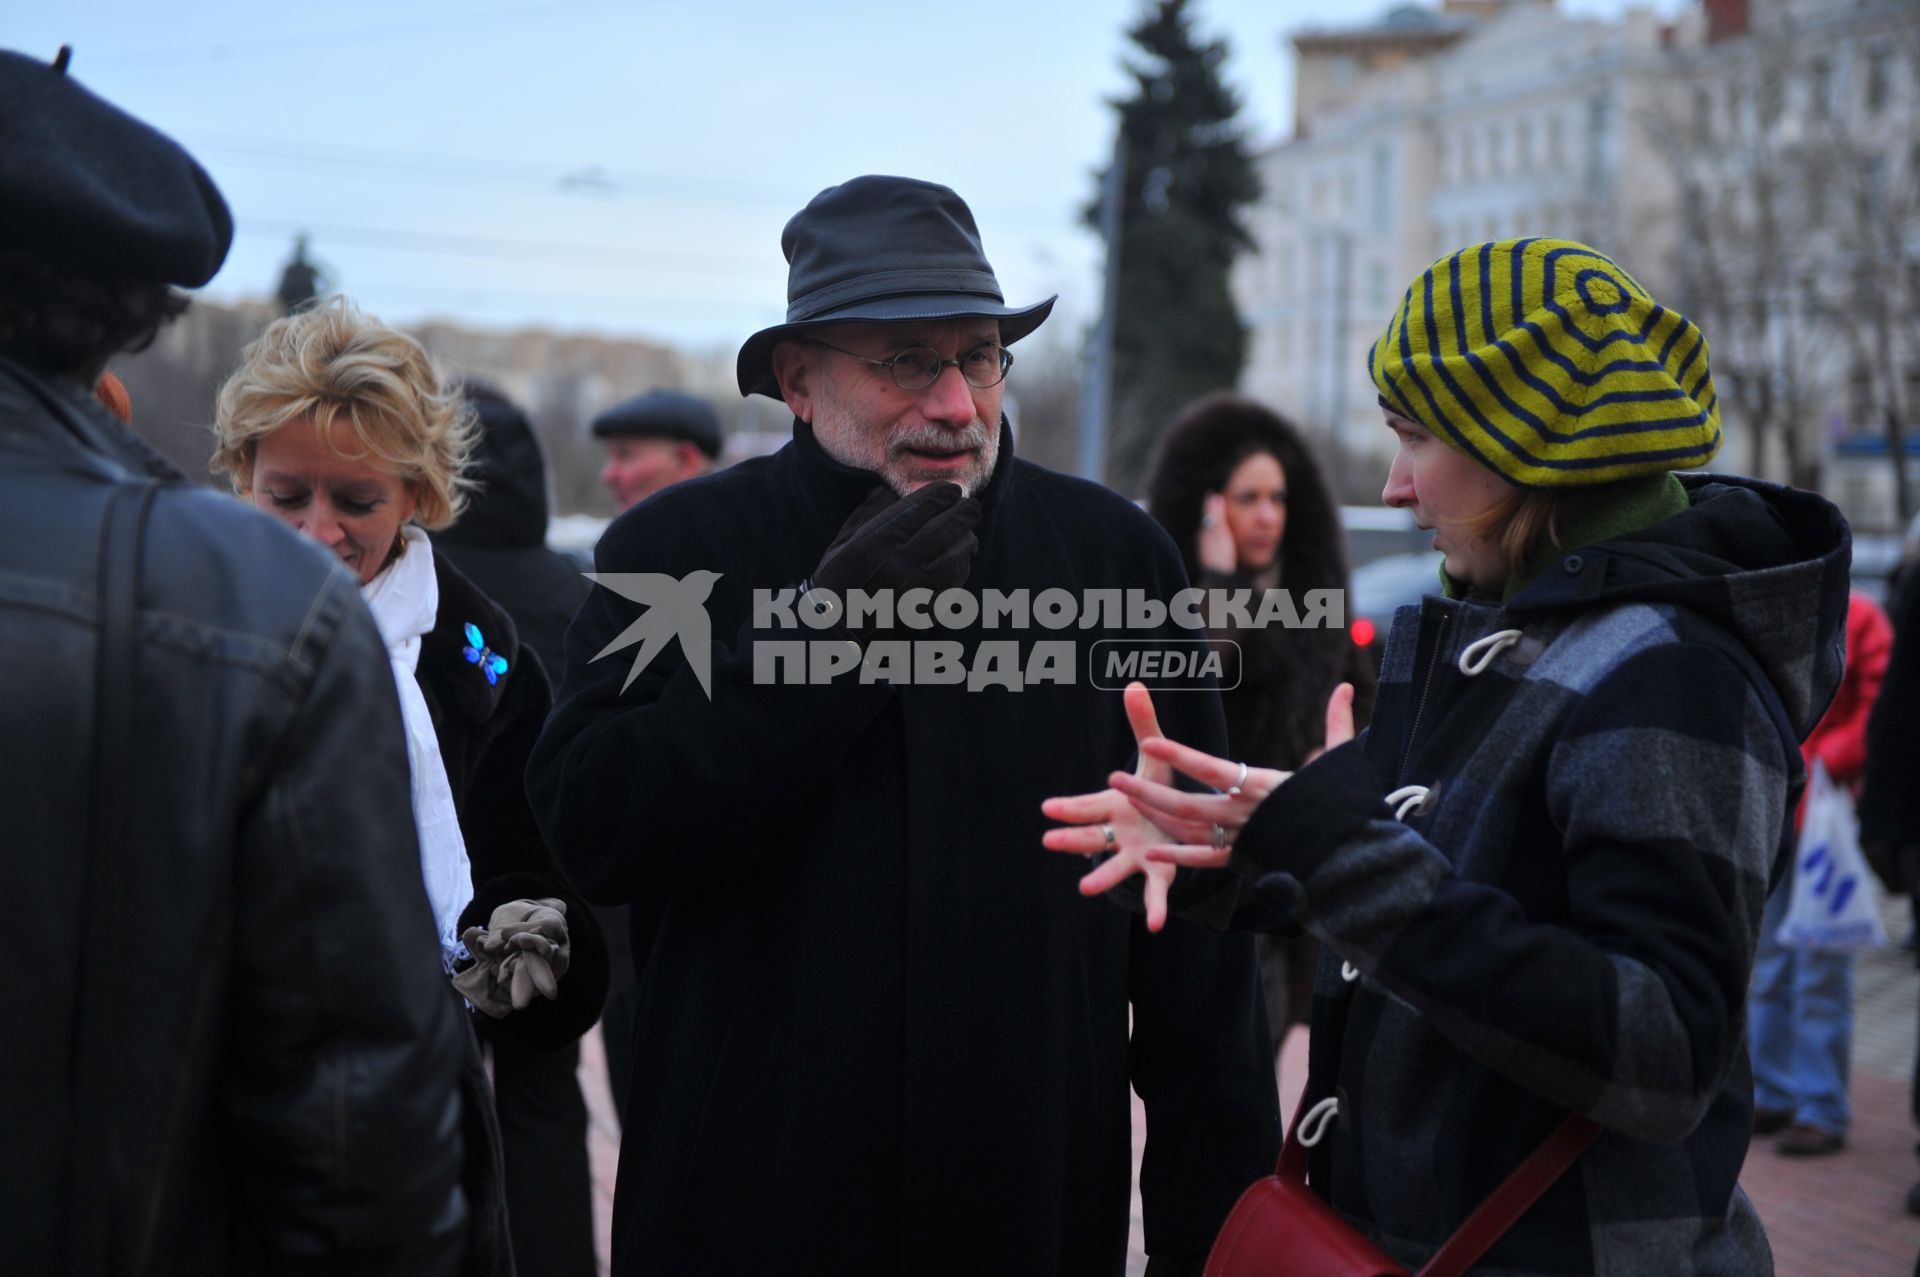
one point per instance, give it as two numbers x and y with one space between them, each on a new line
1544 866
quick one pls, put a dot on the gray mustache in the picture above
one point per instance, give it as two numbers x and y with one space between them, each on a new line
935 439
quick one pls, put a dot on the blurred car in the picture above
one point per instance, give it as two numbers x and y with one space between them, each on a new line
1383 585
1875 558
573 537
1376 531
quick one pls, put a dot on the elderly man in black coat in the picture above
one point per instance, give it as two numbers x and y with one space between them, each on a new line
880 1030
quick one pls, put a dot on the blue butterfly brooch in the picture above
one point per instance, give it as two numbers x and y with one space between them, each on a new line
478 653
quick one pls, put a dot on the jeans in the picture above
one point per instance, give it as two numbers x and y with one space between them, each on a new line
1800 1026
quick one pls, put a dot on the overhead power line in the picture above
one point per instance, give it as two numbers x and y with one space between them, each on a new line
496 248
583 176
439 26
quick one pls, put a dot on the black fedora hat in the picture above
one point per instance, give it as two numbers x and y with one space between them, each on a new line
882 249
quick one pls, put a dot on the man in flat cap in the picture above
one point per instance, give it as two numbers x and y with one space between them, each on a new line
880 1031
233 1049
655 440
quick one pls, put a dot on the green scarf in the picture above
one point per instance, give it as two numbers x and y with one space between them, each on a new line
1634 504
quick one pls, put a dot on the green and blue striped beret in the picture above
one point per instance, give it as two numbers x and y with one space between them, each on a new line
1544 361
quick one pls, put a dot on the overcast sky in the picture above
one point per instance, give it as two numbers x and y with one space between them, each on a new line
626 167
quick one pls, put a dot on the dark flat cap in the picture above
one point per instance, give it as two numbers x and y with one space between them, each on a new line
663 414
882 249
86 186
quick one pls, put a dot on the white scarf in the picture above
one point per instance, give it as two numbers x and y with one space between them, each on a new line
404 599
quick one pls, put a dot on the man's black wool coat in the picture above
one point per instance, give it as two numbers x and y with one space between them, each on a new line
880 1030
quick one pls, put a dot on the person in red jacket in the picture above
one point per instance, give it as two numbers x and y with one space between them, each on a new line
1801 1009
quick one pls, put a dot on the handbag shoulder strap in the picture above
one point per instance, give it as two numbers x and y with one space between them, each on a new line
1502 1208
102 882
1515 1196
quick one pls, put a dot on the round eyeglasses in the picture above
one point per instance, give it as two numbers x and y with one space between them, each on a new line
917 367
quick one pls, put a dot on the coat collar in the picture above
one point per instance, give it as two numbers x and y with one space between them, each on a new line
63 417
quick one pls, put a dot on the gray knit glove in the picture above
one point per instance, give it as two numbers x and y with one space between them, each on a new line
521 953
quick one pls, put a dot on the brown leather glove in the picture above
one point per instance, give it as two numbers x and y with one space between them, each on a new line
520 954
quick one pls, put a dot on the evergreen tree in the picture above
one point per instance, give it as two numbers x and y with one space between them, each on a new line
1188 174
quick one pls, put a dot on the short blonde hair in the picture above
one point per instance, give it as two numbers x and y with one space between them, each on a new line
331 361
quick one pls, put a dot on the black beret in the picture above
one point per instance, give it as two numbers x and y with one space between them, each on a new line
663 414
84 185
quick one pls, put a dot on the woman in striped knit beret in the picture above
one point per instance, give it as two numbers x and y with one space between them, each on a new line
1539 875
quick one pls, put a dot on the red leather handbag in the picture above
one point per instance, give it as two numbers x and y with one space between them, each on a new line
1281 1228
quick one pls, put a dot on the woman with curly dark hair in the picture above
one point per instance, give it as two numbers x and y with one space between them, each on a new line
1247 502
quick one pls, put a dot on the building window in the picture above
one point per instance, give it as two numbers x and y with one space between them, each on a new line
1819 89
1469 162
1860 398
1523 146
1346 194
1879 78
1769 100
1496 151
1556 143
1734 102
1377 286
1819 205
1876 185
1382 190
1702 116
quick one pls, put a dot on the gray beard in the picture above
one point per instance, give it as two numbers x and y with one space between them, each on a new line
978 436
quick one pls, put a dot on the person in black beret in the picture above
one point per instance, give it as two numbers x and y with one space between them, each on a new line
878 1031
234 1050
656 440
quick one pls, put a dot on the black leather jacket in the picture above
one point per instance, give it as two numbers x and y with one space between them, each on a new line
281 1054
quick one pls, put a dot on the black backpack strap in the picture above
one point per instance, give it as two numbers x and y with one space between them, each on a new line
101 944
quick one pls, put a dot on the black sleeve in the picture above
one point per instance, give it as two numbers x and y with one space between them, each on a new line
511 862
345 1052
1200 1053
1889 800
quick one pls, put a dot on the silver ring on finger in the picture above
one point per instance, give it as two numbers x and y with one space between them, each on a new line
1219 837
1233 790
1106 833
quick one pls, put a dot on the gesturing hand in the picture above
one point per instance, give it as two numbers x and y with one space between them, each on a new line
1093 817
1203 828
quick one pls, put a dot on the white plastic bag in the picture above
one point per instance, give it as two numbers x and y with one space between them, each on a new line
1834 906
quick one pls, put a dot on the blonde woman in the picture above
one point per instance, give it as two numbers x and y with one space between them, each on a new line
343 429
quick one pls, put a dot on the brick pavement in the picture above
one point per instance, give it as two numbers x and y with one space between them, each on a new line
1839 1216
1845 1214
